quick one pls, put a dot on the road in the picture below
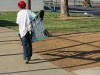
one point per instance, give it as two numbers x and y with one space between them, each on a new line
93 11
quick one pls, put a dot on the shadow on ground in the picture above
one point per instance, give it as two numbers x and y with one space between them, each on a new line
5 23
71 51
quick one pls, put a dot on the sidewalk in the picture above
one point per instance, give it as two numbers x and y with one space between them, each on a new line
11 58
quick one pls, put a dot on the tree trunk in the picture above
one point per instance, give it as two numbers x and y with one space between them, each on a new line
64 8
51 0
86 3
28 4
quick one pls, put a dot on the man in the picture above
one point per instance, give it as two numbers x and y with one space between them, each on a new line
25 29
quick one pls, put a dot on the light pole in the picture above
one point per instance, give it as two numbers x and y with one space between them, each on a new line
28 4
74 2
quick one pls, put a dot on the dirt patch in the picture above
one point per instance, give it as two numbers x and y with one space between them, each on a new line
71 51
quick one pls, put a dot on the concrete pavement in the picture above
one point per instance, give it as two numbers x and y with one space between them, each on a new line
11 58
88 71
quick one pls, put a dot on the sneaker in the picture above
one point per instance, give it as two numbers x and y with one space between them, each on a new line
26 61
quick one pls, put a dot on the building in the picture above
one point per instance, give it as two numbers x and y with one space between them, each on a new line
11 5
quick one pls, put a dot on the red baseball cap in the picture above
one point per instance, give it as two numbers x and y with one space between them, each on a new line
21 4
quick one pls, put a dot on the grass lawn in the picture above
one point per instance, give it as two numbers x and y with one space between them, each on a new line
54 23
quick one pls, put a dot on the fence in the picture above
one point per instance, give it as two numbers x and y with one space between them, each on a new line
94 3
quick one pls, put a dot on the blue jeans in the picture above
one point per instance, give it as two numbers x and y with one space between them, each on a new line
27 45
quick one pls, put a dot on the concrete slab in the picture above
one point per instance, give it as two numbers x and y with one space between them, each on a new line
13 64
11 58
88 71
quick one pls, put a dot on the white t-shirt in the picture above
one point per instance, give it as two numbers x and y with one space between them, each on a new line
24 21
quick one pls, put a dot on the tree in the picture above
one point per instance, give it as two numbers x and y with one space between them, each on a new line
51 0
28 4
86 3
64 8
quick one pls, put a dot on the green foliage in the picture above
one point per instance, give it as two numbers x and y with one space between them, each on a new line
8 19
54 23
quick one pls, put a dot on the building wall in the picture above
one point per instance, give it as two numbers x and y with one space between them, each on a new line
11 5
37 5
70 0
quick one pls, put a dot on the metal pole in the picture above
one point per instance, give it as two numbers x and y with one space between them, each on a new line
79 2
74 2
56 1
28 4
